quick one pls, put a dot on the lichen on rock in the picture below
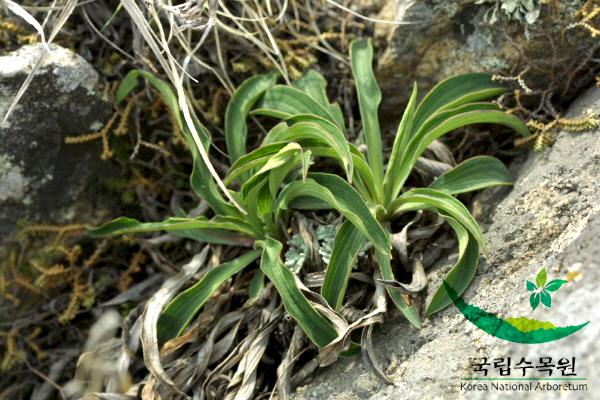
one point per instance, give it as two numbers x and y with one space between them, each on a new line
537 39
13 184
35 163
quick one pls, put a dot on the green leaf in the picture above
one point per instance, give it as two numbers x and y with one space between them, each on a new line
219 230
201 179
242 101
340 196
346 246
369 97
441 116
306 161
180 312
257 284
530 285
473 174
442 202
451 121
546 299
534 300
318 328
315 129
456 91
392 185
482 116
461 275
554 285
257 199
541 277
255 159
283 102
410 311
363 177
131 82
278 165
313 84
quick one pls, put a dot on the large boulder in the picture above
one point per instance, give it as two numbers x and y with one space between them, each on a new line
550 218
42 178
448 37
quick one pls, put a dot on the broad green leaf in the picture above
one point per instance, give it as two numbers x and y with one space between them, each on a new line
277 168
473 174
318 328
456 91
425 138
259 202
363 177
410 311
242 101
444 203
283 102
422 139
270 112
279 164
255 159
180 312
530 285
340 196
313 84
441 116
461 275
257 284
346 246
554 285
201 179
312 128
309 203
391 183
541 277
369 97
534 300
219 230
546 299
306 158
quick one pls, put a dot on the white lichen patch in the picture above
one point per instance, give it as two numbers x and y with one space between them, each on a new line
519 10
69 70
13 184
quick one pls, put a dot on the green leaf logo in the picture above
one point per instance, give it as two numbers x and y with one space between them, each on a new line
540 279
541 290
534 300
555 284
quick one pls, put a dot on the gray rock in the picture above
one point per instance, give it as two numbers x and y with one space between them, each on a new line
41 177
550 218
450 37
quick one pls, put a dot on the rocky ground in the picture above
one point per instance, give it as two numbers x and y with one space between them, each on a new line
551 217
